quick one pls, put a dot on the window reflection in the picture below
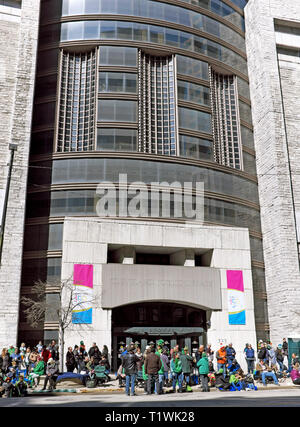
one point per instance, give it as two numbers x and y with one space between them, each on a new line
155 34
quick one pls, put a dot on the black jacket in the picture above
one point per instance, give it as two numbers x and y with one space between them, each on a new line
70 359
262 353
129 363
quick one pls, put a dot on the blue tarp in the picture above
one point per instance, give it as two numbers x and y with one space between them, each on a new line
72 376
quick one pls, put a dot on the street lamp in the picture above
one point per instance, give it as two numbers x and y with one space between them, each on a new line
13 148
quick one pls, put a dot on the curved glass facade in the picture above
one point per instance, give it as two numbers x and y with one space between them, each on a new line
150 9
132 31
155 10
151 93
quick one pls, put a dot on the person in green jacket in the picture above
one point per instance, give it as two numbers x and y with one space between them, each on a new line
37 371
176 371
203 366
186 363
21 387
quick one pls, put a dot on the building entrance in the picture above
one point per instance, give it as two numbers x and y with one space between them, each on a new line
144 323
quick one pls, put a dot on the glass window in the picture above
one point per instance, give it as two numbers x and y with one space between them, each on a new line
194 119
108 30
97 170
113 110
92 6
124 7
243 88
107 6
172 37
247 137
124 30
196 148
193 93
116 139
74 30
171 13
91 29
117 82
113 55
76 7
192 67
127 31
240 3
78 202
245 112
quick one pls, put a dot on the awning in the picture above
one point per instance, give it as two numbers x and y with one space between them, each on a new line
166 331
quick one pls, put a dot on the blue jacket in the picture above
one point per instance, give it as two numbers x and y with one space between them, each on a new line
249 353
233 367
230 352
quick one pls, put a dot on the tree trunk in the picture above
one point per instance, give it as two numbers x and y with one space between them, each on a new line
61 349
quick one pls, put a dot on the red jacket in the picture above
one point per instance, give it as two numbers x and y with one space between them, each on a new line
46 355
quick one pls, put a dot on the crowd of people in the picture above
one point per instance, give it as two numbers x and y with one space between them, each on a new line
157 369
21 368
176 369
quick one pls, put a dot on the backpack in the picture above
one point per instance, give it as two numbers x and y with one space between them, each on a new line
262 353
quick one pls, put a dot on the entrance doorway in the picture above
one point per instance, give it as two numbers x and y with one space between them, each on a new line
144 323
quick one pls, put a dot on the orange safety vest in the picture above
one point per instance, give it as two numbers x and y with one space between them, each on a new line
222 354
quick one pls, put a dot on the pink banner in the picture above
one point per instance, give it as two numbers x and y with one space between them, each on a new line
235 280
83 275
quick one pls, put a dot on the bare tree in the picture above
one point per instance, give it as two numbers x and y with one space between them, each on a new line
65 312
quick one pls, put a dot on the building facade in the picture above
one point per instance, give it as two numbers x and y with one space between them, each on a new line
273 46
156 91
19 22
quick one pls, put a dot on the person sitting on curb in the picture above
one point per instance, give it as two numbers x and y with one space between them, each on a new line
51 375
237 380
222 382
295 374
21 387
7 387
270 372
233 367
36 373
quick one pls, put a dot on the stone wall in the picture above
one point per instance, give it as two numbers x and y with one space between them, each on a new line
276 135
18 48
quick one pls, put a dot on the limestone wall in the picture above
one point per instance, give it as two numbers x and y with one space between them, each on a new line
18 48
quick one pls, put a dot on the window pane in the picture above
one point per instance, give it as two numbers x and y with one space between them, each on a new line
116 139
113 55
195 120
195 147
92 6
76 7
116 110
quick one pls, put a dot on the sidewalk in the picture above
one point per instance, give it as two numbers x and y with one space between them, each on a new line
112 387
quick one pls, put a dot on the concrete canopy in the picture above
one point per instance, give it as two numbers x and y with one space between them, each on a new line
127 284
